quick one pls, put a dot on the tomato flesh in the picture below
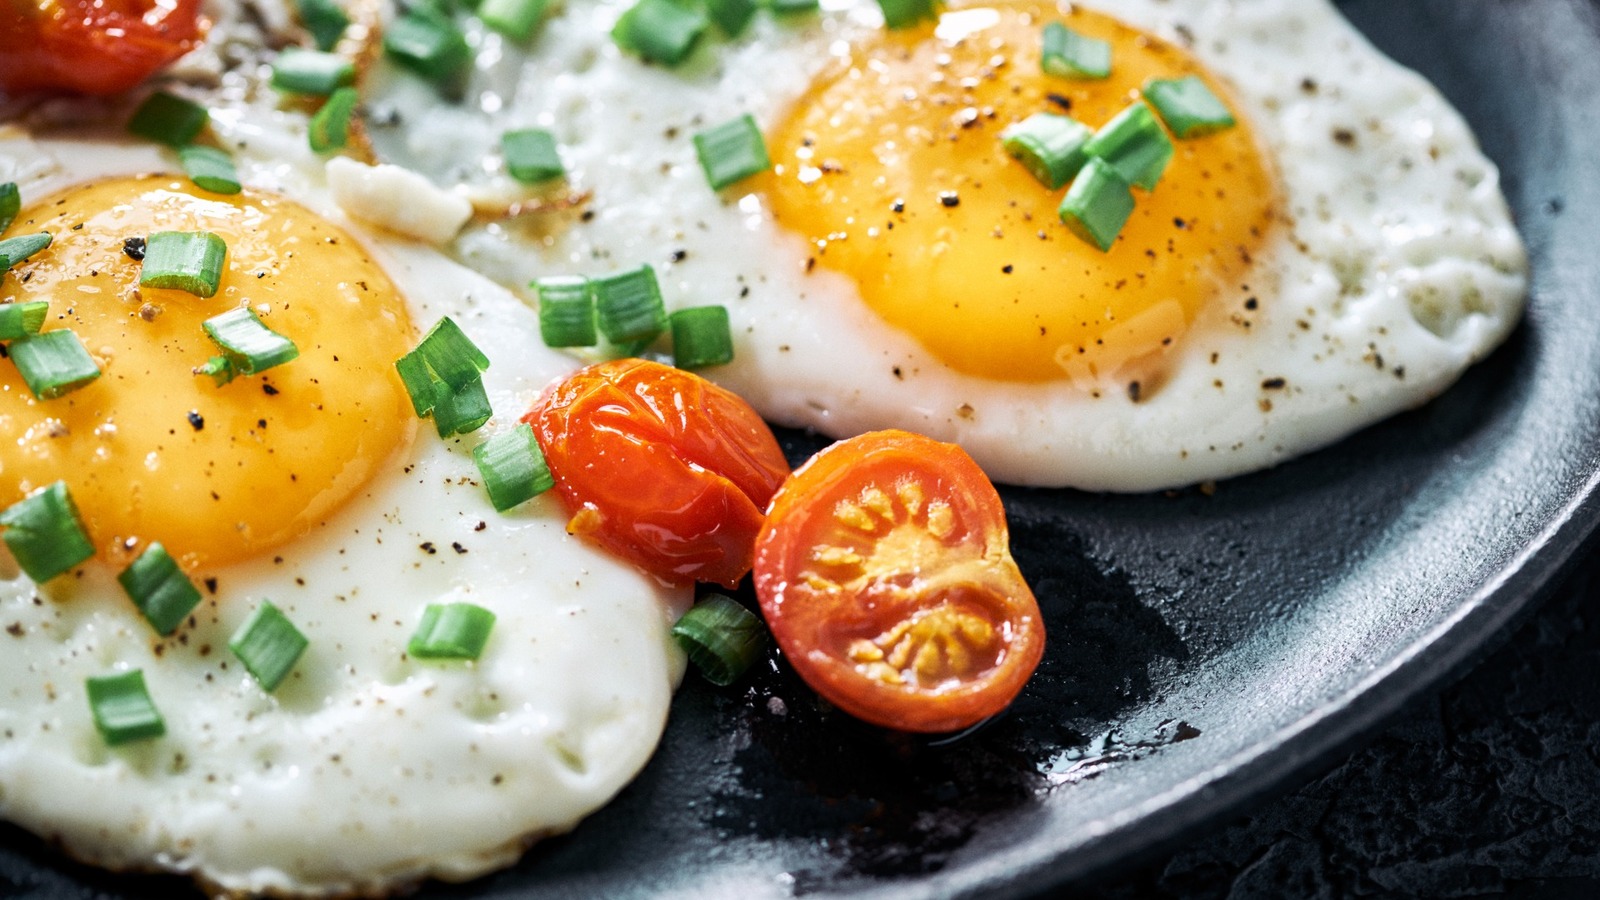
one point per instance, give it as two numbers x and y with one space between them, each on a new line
885 573
92 46
661 467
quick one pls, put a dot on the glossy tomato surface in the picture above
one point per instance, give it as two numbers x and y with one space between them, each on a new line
92 46
661 467
885 573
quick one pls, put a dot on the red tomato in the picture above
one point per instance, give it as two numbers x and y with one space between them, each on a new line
92 46
885 573
661 467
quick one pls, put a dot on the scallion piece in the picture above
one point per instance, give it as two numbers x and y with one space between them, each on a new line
792 7
461 410
269 646
326 21
1188 106
169 119
731 151
425 41
513 467
16 249
10 204
248 345
732 16
531 155
906 13
210 168
566 311
188 261
122 708
1098 204
1050 146
45 534
18 320
516 19
701 337
443 377
450 355
1068 54
311 72
160 589
1135 144
721 637
53 364
660 31
330 124
218 368
451 631
628 306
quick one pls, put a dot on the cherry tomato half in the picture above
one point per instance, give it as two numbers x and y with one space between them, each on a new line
661 467
885 573
92 46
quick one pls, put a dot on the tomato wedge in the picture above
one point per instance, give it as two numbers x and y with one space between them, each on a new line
92 46
885 573
661 467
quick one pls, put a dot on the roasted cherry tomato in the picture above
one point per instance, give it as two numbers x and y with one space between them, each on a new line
92 46
661 467
885 573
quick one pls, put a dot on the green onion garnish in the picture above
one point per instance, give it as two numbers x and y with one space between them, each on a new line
311 72
330 125
269 645
1135 144
792 7
218 368
701 337
721 637
210 168
53 364
123 711
450 355
462 410
168 119
1050 146
10 204
248 345
731 151
325 20
451 631
906 13
1069 54
160 589
189 261
1098 204
566 311
531 156
513 467
16 249
1188 107
516 19
18 320
628 306
443 376
425 41
732 16
45 534
660 31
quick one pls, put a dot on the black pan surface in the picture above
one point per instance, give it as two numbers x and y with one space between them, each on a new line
1205 648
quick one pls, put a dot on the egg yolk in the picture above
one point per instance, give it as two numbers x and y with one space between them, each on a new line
150 451
892 168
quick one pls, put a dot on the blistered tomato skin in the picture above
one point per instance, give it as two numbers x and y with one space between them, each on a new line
885 573
92 46
661 467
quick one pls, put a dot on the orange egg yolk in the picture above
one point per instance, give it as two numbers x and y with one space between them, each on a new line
892 168
151 451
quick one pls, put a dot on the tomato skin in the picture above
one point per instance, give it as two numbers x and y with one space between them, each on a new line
884 572
92 46
661 467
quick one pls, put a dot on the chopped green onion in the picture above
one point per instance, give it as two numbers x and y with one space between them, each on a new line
122 708
330 125
721 637
10 204
566 311
45 534
425 41
18 320
248 345
531 156
269 645
451 631
450 355
53 364
210 168
513 468
732 16
731 151
168 119
326 21
1069 54
160 589
311 72
701 337
443 377
1050 146
1188 107
461 410
516 19
190 261
628 306
1135 144
660 31
1098 204
906 13
792 7
218 367
16 249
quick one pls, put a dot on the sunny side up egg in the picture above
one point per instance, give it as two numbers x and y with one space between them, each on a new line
1341 255
311 486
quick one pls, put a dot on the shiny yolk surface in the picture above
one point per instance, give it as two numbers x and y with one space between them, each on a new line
152 452
893 168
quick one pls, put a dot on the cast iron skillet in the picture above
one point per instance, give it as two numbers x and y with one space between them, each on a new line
1205 649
